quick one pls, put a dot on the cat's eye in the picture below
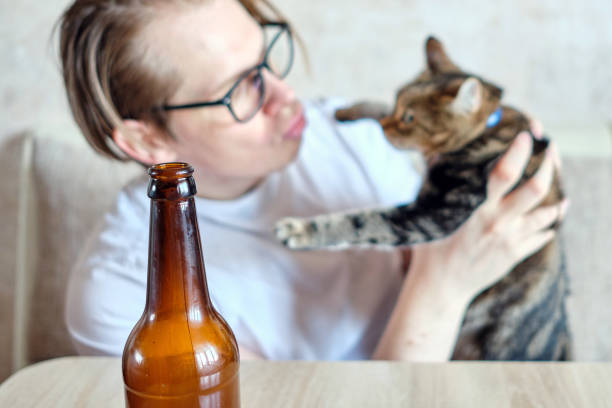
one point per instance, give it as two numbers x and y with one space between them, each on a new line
408 117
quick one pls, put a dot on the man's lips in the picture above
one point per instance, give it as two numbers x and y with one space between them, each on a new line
296 126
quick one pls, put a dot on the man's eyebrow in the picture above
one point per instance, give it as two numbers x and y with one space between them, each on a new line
230 81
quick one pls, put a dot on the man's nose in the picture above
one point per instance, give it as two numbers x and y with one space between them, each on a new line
278 93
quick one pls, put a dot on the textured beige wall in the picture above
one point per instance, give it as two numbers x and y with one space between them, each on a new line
31 93
553 57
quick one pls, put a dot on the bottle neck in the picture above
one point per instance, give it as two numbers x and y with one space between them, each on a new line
177 277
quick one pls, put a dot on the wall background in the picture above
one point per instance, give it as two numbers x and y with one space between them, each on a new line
554 58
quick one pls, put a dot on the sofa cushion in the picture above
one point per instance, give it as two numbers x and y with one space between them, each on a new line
586 237
74 188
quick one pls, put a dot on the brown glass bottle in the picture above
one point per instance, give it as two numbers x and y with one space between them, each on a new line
181 353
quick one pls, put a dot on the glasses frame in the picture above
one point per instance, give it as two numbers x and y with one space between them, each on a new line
226 100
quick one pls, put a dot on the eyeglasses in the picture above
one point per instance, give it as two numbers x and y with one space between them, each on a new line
246 96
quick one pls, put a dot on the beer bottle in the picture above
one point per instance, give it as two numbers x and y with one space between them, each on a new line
181 353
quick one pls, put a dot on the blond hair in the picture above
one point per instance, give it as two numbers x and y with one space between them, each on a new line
110 75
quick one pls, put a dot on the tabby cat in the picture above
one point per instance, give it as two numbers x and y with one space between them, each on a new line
456 121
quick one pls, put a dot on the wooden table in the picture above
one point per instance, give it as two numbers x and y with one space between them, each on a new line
97 382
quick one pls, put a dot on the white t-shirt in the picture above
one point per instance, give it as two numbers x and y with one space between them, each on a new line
281 304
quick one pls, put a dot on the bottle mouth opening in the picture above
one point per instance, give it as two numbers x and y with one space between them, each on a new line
175 170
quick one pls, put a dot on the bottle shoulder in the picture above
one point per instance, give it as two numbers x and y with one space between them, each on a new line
178 349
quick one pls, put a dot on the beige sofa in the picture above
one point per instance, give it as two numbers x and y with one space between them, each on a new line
54 191
53 194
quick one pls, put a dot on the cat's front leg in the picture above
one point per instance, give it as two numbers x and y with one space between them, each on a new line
297 233
339 230
363 110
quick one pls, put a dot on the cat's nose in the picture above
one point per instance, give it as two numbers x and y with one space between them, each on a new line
387 121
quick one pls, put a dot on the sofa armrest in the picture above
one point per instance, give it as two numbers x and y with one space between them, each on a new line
26 253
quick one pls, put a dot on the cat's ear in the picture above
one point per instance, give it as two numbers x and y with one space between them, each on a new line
469 97
437 60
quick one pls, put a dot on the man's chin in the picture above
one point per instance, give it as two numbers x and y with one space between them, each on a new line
290 155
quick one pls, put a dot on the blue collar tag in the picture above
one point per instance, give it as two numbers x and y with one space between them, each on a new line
494 118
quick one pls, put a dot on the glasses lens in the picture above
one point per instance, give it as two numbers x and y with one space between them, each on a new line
280 53
247 95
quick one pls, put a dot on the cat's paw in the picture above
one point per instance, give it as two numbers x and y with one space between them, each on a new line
347 115
296 233
362 110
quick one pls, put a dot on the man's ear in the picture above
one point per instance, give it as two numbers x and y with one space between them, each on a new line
143 142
